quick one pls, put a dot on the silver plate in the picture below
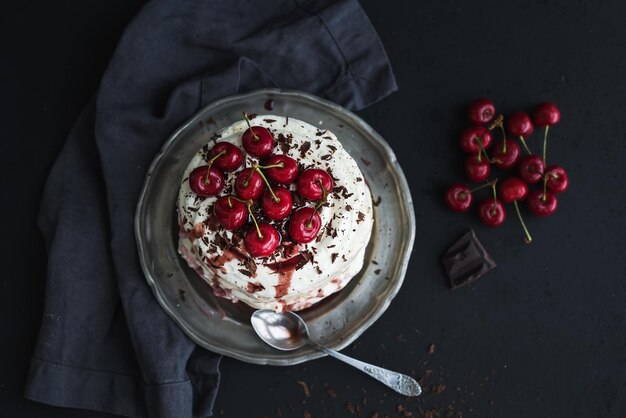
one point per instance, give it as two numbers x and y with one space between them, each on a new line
224 327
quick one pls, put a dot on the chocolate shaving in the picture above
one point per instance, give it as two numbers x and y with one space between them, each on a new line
245 272
377 271
326 157
377 201
320 133
365 161
360 217
333 257
270 120
304 148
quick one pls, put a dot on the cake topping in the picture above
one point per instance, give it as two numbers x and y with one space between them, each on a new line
257 140
206 180
226 156
312 182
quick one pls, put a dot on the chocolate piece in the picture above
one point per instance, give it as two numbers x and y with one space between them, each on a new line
466 260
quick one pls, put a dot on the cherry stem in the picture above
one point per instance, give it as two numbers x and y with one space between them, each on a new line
247 181
528 238
482 150
545 144
498 122
256 225
319 204
279 165
544 197
230 205
495 194
523 141
256 137
267 183
206 178
482 186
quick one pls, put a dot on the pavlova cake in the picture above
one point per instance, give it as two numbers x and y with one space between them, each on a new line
273 212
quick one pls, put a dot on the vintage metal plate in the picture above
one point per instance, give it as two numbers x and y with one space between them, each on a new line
224 327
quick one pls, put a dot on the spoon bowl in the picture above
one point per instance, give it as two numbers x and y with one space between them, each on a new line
284 331
287 331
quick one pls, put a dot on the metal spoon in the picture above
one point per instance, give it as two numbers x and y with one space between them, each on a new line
287 331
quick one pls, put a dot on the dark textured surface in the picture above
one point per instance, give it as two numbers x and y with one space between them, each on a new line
541 335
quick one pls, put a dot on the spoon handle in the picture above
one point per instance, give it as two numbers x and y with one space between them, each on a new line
399 382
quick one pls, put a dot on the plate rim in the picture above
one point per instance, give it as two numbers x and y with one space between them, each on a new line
391 160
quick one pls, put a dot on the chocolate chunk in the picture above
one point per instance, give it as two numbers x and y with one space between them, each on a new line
466 260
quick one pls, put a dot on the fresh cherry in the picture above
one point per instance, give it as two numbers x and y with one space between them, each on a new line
305 225
311 183
459 198
520 125
257 140
512 190
540 203
206 181
281 168
531 169
556 179
477 168
545 115
261 240
491 212
481 111
249 184
473 138
230 212
505 154
227 156
515 190
278 205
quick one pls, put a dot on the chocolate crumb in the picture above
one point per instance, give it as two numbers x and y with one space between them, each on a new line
437 389
348 208
305 388
403 411
366 162
377 271
377 201
431 349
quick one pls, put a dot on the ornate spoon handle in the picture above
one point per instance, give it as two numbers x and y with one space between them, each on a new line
399 382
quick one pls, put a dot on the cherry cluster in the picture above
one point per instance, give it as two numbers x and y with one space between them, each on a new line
253 184
506 154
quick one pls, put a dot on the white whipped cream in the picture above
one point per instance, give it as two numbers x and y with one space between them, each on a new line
337 254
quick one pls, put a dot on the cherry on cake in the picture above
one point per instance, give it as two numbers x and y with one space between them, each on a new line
273 212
